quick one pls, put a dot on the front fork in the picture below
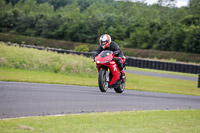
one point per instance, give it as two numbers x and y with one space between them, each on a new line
107 72
107 75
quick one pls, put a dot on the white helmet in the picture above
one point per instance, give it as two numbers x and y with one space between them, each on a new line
105 41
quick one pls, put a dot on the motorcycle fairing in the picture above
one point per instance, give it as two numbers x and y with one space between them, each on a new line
105 59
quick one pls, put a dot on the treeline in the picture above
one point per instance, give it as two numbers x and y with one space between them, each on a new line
130 24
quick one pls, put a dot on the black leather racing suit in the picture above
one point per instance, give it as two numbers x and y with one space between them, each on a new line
116 50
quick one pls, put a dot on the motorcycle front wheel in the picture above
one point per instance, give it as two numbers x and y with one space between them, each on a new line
103 83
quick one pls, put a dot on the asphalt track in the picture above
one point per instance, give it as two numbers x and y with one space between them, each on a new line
19 99
164 75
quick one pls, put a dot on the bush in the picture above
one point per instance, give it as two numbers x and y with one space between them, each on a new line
82 48
38 41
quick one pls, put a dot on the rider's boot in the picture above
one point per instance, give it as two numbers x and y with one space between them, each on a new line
123 76
122 72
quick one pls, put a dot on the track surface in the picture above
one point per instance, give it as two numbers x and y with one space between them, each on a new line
31 99
173 76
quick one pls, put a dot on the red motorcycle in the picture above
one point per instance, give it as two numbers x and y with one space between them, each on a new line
109 73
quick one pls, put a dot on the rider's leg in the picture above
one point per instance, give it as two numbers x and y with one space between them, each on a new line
120 65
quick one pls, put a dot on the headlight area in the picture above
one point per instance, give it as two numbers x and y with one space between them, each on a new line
98 62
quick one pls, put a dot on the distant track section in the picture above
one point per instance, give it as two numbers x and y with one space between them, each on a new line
164 75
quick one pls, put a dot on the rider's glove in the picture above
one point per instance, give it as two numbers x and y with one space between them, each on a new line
94 55
113 58
117 58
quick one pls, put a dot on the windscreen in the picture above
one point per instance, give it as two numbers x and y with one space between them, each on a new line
105 53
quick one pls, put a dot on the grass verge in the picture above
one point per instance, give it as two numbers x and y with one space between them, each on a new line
31 65
158 84
32 59
20 75
135 82
182 121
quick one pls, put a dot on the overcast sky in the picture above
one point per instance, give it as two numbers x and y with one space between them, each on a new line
178 4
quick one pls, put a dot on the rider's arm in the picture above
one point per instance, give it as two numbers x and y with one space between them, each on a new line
117 50
98 50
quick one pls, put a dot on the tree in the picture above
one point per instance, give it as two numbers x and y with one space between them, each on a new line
13 2
11 19
30 7
45 8
192 41
177 38
4 7
194 7
160 26
191 20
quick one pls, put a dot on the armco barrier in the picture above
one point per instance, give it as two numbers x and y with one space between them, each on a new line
167 66
131 61
199 81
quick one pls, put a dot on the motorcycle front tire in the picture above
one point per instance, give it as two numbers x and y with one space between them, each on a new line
103 84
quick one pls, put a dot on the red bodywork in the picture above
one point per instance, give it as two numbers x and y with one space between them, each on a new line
108 62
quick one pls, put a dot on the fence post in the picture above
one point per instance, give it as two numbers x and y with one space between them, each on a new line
199 81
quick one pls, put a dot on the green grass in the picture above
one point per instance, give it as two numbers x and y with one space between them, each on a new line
171 121
32 59
20 75
158 84
31 65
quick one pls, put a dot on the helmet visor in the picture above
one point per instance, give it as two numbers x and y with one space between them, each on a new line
103 43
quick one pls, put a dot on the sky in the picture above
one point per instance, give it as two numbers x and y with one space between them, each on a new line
179 3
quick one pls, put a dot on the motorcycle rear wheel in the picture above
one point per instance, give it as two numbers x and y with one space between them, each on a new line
103 84
120 88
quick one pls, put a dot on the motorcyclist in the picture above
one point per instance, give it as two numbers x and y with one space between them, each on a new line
107 44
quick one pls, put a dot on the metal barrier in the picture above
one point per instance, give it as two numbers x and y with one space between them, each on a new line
167 66
199 81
